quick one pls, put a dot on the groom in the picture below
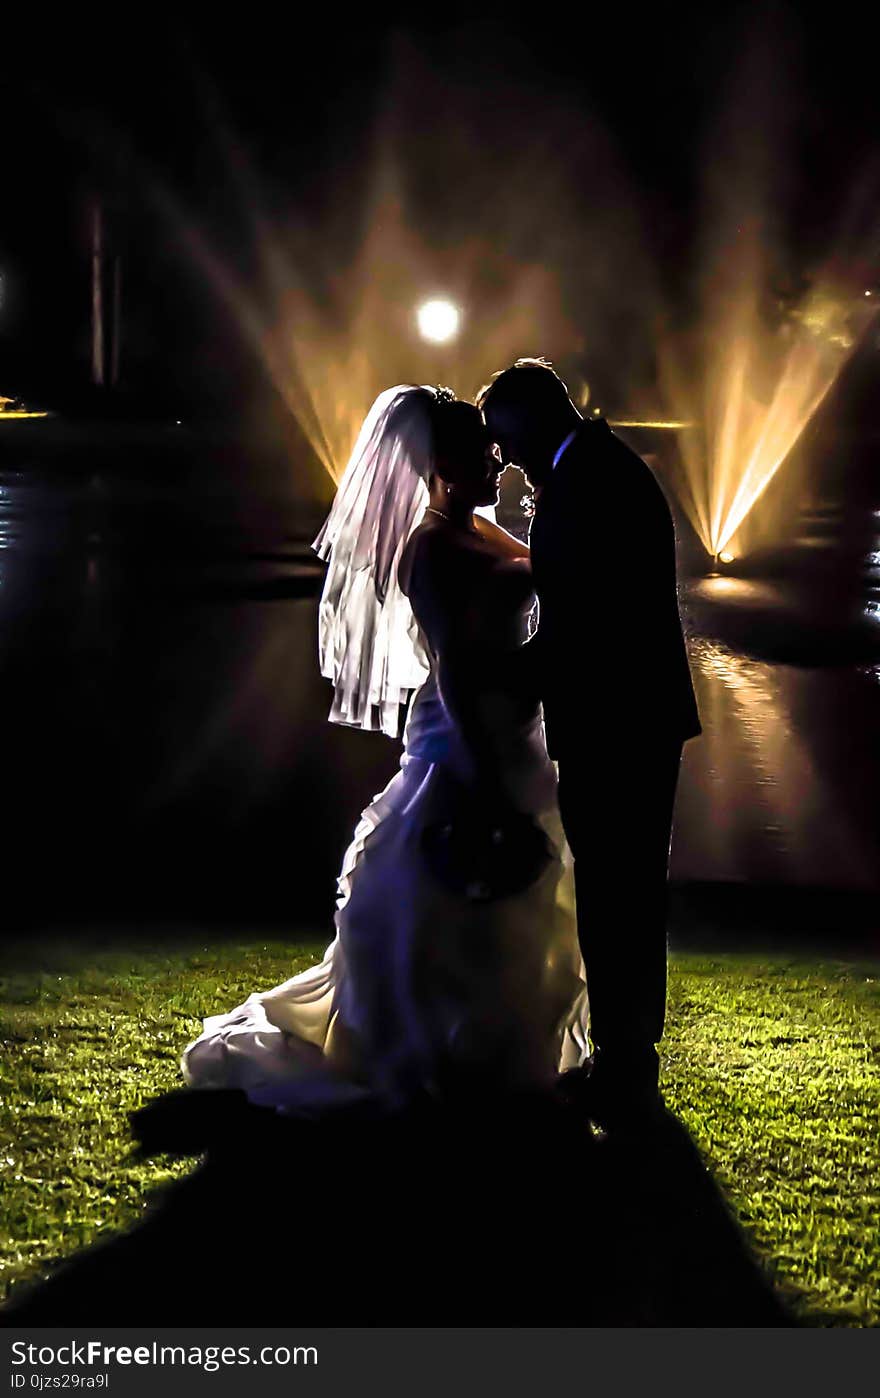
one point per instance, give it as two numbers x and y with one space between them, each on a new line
618 705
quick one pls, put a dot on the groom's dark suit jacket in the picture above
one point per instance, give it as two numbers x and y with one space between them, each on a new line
610 644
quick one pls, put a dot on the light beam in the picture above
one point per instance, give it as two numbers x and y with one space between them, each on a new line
751 387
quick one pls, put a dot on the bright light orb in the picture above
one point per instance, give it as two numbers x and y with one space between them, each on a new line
726 556
438 321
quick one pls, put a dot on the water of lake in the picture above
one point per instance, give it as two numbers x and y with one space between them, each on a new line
165 750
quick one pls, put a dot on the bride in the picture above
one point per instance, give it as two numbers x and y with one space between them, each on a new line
455 960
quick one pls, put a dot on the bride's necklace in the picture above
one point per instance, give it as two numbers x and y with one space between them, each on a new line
468 528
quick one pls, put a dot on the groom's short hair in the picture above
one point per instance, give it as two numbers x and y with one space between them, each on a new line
529 381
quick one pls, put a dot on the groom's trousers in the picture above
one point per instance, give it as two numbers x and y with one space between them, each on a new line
616 802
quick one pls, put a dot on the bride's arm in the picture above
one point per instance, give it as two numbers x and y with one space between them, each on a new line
444 599
506 545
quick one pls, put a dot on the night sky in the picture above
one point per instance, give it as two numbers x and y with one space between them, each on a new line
623 114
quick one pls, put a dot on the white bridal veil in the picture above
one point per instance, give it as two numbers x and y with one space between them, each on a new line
368 641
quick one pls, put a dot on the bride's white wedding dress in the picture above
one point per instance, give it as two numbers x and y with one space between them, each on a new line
422 985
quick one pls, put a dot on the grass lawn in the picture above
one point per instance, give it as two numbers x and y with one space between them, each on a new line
772 1063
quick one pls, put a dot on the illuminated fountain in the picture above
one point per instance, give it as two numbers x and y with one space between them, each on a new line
375 292
332 336
751 380
740 391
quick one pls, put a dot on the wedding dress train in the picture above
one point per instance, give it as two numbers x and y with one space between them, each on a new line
422 986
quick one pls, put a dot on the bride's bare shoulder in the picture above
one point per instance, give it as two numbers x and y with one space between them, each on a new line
430 550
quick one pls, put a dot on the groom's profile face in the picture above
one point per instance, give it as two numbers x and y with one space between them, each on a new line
503 433
517 447
504 449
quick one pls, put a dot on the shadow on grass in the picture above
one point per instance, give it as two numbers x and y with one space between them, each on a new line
505 1212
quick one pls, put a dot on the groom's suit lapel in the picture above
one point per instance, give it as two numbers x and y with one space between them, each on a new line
561 481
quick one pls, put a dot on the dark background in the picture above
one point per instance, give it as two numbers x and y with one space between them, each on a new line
142 110
166 754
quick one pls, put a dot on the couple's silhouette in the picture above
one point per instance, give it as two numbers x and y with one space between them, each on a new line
394 1112
458 961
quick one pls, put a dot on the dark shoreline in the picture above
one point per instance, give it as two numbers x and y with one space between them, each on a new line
712 918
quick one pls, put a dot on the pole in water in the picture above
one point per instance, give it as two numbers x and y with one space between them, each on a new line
97 296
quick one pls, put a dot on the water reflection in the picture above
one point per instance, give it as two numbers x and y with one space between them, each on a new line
771 792
165 729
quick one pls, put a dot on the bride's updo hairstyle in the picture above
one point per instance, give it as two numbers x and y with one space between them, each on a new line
459 439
